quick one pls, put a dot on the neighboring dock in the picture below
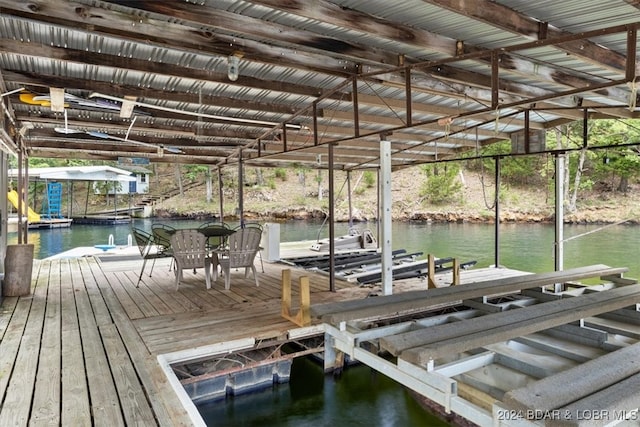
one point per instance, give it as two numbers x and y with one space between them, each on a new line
88 348
103 219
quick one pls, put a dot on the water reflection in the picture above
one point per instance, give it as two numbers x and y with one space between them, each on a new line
358 397
522 246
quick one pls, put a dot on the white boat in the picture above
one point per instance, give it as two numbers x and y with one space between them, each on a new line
356 239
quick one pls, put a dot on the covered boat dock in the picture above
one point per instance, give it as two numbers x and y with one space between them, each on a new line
328 85
51 201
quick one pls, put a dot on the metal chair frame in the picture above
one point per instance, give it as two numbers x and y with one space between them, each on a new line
149 249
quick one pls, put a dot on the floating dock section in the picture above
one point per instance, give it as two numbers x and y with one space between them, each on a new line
241 366
51 223
102 219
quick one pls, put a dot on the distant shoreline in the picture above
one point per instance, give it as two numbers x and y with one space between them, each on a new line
435 217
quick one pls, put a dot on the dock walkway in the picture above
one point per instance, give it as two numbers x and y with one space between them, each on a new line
87 347
82 348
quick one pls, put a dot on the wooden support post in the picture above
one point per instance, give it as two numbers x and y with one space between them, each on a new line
303 317
339 364
304 312
431 272
456 272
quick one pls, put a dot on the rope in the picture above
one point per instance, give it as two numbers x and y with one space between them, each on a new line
597 229
326 217
446 122
484 191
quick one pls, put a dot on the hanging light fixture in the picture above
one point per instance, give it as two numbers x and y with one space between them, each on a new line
233 66
57 99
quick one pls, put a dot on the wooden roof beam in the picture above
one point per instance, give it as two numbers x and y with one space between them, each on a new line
239 24
505 18
195 37
45 81
142 128
382 120
325 11
99 153
33 50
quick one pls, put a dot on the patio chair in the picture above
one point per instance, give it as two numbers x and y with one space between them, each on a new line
243 245
162 235
148 250
189 248
259 227
162 238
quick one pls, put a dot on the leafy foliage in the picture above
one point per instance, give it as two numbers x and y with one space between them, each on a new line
107 187
442 184
514 170
192 172
280 173
615 164
369 178
39 162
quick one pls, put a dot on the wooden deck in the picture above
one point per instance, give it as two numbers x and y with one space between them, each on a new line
82 348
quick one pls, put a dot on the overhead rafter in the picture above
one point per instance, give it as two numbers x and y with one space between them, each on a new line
501 16
344 75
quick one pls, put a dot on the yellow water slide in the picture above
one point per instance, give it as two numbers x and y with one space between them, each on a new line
32 216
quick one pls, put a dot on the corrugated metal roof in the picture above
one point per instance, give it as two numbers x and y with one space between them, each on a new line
575 16
174 56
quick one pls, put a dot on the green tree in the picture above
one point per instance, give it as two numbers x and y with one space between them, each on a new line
615 167
442 184
514 170
369 178
193 172
619 165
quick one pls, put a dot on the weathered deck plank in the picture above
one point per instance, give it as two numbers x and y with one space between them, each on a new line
17 402
105 405
8 306
131 307
104 334
76 408
175 303
166 406
133 300
205 330
100 311
204 300
11 342
135 407
46 399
